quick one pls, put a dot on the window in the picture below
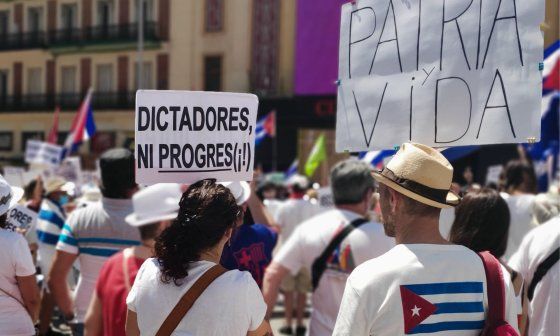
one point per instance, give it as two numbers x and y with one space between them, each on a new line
148 10
213 15
213 73
33 135
34 81
68 79
34 19
147 80
3 85
104 13
104 78
68 16
4 24
6 141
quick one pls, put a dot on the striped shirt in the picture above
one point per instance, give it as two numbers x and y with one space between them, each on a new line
50 221
95 233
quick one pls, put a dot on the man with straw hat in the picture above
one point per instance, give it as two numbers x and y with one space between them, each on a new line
424 284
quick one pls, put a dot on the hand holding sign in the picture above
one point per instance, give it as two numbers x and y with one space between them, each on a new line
185 136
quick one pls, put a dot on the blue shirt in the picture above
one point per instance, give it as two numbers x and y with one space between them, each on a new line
250 250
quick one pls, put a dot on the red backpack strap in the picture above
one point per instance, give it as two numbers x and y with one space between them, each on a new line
495 287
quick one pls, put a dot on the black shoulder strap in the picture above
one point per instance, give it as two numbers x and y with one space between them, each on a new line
320 264
541 271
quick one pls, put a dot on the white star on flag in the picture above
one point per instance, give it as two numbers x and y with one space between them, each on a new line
416 311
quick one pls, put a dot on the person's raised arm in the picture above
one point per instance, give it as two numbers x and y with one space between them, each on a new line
271 285
93 325
58 285
258 209
30 293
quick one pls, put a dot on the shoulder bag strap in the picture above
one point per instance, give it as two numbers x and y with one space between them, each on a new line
541 271
13 297
495 287
188 300
320 264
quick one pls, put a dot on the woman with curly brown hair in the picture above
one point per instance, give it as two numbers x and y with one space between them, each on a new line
187 255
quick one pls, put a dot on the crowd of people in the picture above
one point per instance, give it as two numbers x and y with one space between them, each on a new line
403 250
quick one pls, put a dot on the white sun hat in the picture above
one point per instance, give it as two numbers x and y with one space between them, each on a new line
9 196
240 190
155 203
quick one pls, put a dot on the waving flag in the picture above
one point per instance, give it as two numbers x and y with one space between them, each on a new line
52 138
440 307
83 126
545 153
318 154
292 170
266 127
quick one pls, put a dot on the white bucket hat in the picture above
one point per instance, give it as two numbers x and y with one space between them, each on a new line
9 196
155 203
240 190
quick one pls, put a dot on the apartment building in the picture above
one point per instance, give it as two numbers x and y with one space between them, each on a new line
53 51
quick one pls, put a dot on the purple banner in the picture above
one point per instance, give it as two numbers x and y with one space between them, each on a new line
317 36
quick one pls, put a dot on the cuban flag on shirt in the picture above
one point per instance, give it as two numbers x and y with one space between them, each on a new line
442 307
266 127
83 126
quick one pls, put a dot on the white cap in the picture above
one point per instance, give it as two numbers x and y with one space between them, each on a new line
240 190
155 203
9 196
298 180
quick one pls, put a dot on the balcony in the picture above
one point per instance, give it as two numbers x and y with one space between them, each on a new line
66 101
77 37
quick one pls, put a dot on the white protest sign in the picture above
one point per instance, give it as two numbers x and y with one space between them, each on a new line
493 174
185 136
442 73
20 217
71 170
39 152
14 176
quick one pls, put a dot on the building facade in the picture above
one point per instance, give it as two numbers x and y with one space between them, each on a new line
53 51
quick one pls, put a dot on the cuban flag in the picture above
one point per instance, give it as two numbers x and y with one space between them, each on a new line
442 307
292 170
545 153
266 127
376 158
83 126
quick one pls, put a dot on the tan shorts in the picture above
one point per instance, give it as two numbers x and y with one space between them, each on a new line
300 283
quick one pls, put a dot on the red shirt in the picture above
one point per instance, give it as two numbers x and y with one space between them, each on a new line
112 292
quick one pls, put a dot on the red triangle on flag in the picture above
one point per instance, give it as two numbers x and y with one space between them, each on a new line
415 309
552 81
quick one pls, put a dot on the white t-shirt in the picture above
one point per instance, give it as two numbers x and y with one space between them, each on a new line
231 305
521 214
419 288
544 309
291 214
95 233
307 243
15 260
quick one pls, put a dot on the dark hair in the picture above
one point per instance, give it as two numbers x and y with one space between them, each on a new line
29 189
520 174
3 219
117 173
206 211
148 231
482 222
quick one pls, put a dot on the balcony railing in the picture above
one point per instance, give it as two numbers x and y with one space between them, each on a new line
79 36
66 101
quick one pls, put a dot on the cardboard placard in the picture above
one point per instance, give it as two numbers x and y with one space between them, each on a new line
186 136
14 176
20 217
442 73
493 174
38 152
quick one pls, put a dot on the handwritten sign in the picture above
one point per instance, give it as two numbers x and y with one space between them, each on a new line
14 175
442 73
185 136
20 217
38 152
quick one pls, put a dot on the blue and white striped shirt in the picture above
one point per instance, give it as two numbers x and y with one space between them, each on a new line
50 222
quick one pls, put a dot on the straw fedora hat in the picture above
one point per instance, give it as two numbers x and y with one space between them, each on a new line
54 183
421 173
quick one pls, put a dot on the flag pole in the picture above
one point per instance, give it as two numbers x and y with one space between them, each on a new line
275 145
